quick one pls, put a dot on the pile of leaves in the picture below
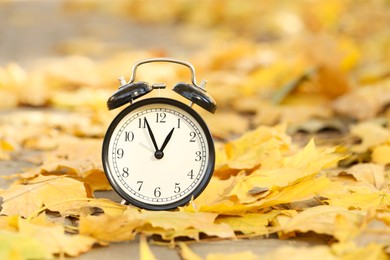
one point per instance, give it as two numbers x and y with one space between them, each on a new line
302 136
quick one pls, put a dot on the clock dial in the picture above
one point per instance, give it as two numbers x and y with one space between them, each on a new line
158 153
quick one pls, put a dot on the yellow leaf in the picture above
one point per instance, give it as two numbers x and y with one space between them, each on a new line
370 252
186 253
364 199
381 154
214 192
144 250
181 221
252 149
24 200
298 253
5 149
9 223
300 191
250 223
321 219
370 173
18 246
111 228
371 135
303 165
55 239
233 256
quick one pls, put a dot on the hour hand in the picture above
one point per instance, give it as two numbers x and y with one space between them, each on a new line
151 135
167 140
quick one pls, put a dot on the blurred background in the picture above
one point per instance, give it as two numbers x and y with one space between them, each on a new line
266 62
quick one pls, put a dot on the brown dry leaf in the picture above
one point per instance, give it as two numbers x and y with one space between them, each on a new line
26 199
55 239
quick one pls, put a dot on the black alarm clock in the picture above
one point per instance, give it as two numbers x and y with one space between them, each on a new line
158 153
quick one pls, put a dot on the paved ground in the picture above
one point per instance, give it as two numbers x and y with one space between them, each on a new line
33 30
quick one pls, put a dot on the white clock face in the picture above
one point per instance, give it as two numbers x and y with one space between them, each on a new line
158 154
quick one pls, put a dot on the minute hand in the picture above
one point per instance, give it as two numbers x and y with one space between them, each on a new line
151 135
167 140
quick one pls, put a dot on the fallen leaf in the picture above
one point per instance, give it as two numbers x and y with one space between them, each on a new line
144 250
297 253
370 173
232 256
18 246
111 228
321 219
55 239
49 191
381 154
197 222
186 253
371 135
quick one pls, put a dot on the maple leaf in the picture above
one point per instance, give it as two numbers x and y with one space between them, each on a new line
372 174
55 239
251 223
252 149
111 227
49 191
182 223
322 219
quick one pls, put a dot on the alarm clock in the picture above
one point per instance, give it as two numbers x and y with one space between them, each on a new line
158 153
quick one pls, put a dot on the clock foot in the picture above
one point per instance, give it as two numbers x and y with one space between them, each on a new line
125 202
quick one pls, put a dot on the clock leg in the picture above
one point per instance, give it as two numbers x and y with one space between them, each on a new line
124 202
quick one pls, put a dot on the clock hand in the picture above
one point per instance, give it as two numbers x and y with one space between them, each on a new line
151 135
167 140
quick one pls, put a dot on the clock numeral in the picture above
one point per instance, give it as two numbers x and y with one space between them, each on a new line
160 117
129 136
193 136
125 172
178 123
191 174
140 183
198 155
157 192
120 153
142 122
177 188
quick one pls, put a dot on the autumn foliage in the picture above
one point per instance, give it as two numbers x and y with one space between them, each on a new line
301 131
